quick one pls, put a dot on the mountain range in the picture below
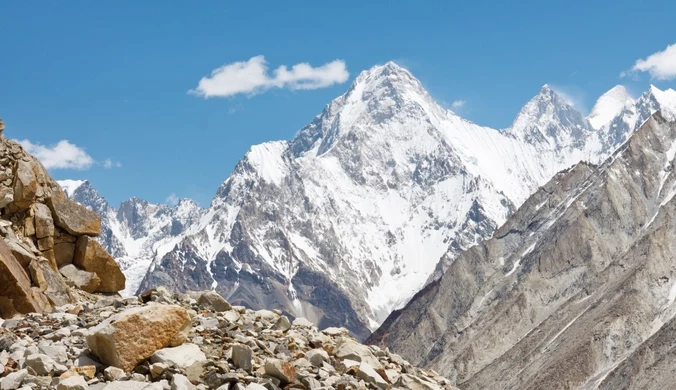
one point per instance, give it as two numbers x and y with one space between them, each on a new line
369 203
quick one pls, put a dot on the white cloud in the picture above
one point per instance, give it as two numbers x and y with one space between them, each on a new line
250 77
660 65
172 200
458 104
62 155
108 163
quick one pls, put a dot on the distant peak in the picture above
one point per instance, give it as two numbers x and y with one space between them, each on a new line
70 186
609 105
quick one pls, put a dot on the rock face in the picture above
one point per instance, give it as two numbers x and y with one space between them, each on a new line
128 338
370 201
245 351
576 290
39 226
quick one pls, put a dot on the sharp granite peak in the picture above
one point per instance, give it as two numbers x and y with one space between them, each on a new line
368 203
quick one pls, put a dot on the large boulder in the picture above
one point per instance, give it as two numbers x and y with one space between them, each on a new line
44 223
92 257
73 217
128 338
50 282
25 185
182 356
85 281
16 294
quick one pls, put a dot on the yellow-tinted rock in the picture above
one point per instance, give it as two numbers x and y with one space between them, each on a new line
128 338
64 253
25 185
91 256
15 286
74 217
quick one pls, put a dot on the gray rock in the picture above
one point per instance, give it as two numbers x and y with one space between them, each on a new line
182 356
41 364
242 356
181 382
112 374
13 380
369 375
317 357
214 301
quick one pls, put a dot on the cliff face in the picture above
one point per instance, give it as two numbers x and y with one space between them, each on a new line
47 247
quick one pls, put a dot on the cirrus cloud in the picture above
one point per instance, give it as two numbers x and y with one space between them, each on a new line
251 77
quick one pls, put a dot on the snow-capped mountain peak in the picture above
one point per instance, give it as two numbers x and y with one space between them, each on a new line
609 106
70 186
548 121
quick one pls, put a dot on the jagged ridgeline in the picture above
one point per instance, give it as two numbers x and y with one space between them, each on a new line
47 244
577 290
375 197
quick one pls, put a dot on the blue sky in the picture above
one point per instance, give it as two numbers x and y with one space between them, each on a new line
112 78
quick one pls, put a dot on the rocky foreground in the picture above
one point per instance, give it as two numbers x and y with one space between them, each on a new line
190 341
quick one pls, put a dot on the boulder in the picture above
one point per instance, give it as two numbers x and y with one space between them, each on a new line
280 369
50 282
25 185
369 375
182 356
85 281
132 336
241 357
6 196
21 253
44 224
74 217
214 301
317 357
92 257
64 253
181 382
13 380
16 294
41 364
352 350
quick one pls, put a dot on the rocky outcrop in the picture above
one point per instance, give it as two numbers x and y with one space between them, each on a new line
40 226
235 349
576 291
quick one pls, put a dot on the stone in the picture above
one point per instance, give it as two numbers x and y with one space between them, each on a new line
132 336
2 126
16 295
195 371
335 332
241 357
157 369
182 356
255 386
282 370
39 381
45 244
358 352
59 353
214 301
126 385
64 252
88 372
369 375
73 217
29 226
114 374
282 324
181 382
41 364
13 380
302 322
44 224
6 197
21 253
50 282
73 383
25 185
317 357
85 281
92 257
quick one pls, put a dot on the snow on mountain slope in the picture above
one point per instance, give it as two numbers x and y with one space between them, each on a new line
370 201
132 232
609 106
